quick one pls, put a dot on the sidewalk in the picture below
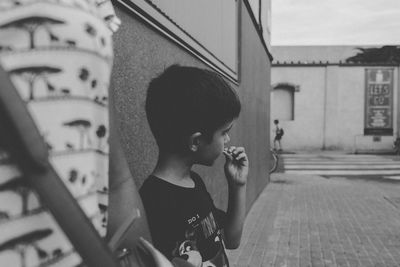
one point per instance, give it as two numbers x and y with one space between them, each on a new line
313 221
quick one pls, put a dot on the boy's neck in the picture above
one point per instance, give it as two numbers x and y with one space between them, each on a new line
174 168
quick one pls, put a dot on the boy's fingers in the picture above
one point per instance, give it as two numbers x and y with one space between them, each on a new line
231 149
228 155
242 160
234 153
238 151
241 156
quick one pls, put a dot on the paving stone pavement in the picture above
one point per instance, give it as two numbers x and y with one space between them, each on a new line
304 220
339 164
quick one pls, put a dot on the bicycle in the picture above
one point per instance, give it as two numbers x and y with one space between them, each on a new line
274 160
396 146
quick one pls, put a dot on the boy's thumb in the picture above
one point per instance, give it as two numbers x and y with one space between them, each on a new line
228 156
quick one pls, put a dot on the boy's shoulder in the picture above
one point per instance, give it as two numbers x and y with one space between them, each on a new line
150 186
151 183
155 192
155 184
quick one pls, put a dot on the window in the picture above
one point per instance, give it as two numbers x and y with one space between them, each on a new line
282 104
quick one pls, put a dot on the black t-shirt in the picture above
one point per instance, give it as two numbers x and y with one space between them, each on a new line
184 221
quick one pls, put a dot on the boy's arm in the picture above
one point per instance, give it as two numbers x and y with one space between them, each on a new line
236 171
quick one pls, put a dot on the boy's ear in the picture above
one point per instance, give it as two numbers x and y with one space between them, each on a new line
194 141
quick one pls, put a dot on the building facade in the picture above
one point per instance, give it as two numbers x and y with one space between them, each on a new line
336 97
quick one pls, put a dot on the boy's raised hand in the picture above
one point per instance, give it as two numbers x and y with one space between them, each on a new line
236 165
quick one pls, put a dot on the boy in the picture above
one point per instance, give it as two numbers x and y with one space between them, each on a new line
190 112
278 136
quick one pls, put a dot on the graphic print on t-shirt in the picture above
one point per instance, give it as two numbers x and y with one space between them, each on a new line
203 243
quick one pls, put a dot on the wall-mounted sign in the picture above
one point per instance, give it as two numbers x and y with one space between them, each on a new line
378 101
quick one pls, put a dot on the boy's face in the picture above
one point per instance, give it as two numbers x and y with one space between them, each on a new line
209 151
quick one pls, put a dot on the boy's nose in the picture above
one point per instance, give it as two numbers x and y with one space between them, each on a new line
227 139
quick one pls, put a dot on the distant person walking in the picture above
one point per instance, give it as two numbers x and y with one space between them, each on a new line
278 136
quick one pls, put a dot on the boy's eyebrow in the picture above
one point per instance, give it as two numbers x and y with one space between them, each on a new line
229 127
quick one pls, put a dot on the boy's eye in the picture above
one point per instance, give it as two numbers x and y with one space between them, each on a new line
226 131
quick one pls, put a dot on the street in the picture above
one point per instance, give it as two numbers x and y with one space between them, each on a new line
322 211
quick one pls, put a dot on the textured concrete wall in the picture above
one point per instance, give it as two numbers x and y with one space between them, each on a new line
141 53
254 90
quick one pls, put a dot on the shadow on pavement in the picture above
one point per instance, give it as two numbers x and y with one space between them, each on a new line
368 178
281 181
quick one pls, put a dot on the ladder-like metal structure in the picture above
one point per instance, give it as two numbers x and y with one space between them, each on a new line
21 138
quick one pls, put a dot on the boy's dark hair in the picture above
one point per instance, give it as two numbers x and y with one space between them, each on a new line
276 121
184 100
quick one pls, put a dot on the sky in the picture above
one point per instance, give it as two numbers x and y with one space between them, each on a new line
335 22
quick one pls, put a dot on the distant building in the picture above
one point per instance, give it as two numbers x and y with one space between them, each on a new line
336 97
